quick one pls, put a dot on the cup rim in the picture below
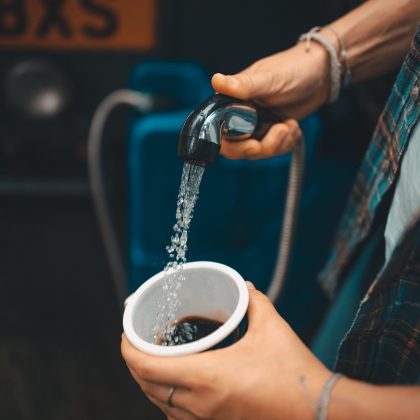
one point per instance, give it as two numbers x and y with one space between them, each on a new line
202 344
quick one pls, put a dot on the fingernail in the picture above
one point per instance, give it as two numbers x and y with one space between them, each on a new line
250 285
232 81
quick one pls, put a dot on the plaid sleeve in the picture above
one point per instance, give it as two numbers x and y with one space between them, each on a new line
379 168
383 344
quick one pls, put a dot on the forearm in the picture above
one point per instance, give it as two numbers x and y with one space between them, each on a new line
352 399
377 35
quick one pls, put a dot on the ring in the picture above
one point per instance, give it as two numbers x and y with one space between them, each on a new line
170 395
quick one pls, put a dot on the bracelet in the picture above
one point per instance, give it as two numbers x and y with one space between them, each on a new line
335 66
324 399
320 408
347 77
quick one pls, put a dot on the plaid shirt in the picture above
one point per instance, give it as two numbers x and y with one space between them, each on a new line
383 344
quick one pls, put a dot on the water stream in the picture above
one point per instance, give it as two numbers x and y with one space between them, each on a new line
177 250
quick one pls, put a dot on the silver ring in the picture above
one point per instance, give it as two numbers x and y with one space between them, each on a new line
170 395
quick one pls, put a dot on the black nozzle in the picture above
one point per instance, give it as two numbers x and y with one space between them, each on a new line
220 115
197 151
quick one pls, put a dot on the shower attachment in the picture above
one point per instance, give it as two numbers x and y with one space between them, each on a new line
200 141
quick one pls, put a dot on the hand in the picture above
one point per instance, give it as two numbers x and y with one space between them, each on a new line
258 377
292 83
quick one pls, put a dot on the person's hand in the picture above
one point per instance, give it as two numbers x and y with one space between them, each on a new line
292 83
258 377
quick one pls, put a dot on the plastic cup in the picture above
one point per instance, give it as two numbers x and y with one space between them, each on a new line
210 290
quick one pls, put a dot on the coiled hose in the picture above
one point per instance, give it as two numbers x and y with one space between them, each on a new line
287 235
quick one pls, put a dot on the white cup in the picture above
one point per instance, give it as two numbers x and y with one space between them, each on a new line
210 290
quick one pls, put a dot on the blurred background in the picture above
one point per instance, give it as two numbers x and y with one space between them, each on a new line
60 320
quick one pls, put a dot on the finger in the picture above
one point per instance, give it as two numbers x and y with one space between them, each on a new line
260 310
253 149
173 412
294 129
134 374
234 149
243 85
280 139
295 133
181 398
176 413
159 394
178 371
250 285
273 143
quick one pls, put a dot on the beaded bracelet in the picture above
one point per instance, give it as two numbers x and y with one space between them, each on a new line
347 76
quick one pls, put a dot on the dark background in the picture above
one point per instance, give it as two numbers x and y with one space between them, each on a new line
59 322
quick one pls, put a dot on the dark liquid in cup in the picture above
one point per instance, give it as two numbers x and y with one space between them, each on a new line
187 330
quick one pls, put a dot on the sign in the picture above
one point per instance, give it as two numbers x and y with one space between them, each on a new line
78 24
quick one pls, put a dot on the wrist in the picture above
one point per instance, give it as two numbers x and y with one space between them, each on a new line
311 385
347 399
317 35
319 66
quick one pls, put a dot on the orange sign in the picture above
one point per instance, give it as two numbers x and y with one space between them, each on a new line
78 24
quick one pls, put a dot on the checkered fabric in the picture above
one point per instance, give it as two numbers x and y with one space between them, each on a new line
383 344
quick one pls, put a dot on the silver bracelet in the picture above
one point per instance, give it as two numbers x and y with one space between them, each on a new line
347 77
320 408
324 399
335 66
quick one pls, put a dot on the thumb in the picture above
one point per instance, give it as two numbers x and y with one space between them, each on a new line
242 85
260 308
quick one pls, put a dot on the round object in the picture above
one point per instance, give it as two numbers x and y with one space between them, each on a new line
208 289
37 89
